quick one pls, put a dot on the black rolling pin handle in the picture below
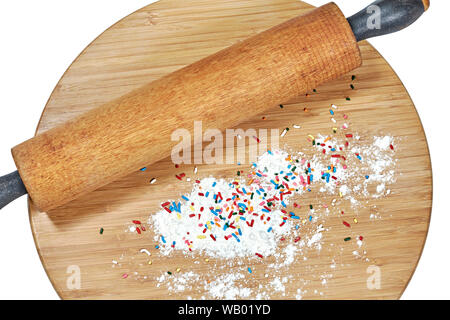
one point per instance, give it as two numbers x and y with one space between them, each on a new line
11 188
386 16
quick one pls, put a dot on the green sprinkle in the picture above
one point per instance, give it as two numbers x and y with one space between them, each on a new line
101 230
281 106
352 86
348 99
311 206
353 77
169 273
348 239
238 173
314 90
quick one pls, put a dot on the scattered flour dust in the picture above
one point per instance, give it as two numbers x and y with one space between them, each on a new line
241 220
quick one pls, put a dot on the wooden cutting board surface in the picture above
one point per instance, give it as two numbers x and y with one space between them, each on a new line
166 36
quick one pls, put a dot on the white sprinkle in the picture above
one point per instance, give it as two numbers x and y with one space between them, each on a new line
145 251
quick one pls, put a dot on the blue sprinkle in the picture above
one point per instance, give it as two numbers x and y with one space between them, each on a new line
236 237
185 198
249 270
367 177
283 204
331 112
163 240
207 194
270 229
214 184
143 169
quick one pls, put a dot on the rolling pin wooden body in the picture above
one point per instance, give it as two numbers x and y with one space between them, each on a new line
221 90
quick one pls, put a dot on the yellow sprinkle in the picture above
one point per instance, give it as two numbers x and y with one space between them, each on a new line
206 260
178 216
178 269
355 220
201 236
150 262
340 194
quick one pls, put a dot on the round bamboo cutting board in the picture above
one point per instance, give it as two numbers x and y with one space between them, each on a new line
83 262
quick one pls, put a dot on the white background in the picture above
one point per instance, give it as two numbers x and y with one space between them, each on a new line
39 40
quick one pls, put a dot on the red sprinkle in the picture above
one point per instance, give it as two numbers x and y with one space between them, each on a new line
259 255
346 224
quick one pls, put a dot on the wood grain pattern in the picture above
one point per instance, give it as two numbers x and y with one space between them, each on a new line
162 38
251 76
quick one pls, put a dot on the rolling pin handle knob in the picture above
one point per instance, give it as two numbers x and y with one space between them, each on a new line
386 16
11 188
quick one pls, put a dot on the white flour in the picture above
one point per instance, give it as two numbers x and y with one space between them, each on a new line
245 219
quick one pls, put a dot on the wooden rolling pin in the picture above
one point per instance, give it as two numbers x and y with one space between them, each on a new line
221 90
